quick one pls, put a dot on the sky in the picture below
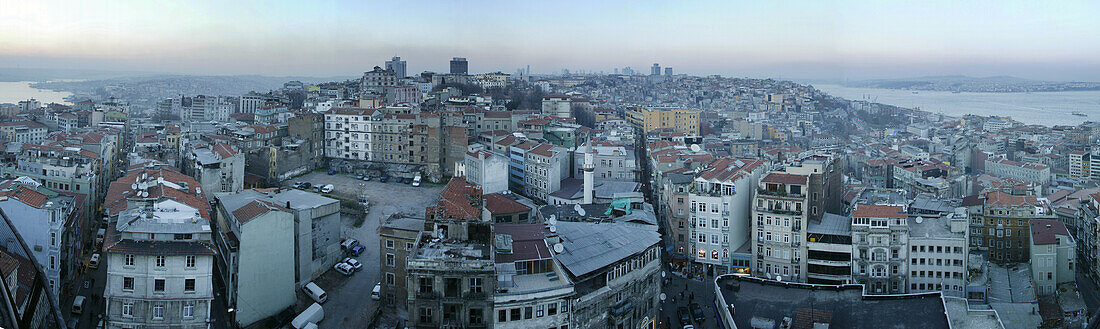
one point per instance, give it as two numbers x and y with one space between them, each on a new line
1055 40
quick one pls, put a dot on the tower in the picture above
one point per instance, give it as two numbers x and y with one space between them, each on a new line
589 172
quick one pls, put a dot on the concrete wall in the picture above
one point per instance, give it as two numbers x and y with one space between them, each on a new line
265 275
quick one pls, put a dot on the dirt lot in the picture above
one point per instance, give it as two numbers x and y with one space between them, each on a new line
349 305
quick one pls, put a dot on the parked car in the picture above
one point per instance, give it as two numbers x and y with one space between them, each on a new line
356 251
344 268
366 178
311 316
416 180
297 184
697 312
327 188
355 264
306 185
315 292
407 180
359 176
94 261
384 178
376 293
685 315
331 172
348 244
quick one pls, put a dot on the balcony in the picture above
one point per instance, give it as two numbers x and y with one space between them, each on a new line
725 228
796 228
427 295
471 295
725 243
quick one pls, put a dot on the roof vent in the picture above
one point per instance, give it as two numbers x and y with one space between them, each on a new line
1048 225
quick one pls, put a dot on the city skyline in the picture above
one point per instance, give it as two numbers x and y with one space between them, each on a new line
793 40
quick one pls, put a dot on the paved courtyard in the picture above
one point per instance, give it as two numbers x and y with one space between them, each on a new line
349 304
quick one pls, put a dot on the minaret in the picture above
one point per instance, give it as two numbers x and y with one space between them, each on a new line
589 172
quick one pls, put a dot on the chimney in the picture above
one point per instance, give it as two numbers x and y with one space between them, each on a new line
589 172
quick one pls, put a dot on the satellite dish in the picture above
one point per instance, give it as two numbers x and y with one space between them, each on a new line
779 278
559 248
578 209
920 219
134 186
663 296
696 148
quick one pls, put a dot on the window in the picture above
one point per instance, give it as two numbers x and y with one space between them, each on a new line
188 309
158 312
514 314
502 316
425 315
190 261
408 246
129 260
552 309
476 316
528 312
538 311
389 244
391 278
128 309
391 260
189 285
475 285
160 261
128 284
158 285
182 236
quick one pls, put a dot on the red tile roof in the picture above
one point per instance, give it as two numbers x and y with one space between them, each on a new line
878 211
499 204
460 200
1046 231
785 178
28 196
255 209
224 150
999 198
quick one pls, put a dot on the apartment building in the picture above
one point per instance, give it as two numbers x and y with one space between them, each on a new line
158 252
557 105
779 215
399 235
64 169
533 289
487 169
545 165
619 289
48 223
1023 171
349 133
612 162
23 132
829 250
677 119
254 237
880 236
1051 250
939 254
720 208
218 168
675 205
1006 219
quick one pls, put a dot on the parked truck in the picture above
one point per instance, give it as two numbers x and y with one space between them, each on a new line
313 314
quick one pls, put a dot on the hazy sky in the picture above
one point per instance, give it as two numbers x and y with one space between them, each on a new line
784 39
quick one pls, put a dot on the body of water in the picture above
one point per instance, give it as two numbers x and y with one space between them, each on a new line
14 92
1044 108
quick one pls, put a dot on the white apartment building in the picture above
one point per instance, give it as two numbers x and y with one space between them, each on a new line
219 168
1024 171
780 213
533 290
545 166
41 221
486 169
613 162
1053 256
557 105
938 254
349 132
880 239
721 199
23 132
251 102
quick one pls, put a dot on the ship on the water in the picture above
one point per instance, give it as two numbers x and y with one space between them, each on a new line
1080 114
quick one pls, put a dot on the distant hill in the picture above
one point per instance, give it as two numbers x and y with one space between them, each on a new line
972 84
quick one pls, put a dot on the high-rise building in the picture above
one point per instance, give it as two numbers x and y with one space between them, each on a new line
780 213
668 71
655 70
459 66
397 66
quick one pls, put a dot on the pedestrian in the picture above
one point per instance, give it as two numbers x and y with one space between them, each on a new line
692 296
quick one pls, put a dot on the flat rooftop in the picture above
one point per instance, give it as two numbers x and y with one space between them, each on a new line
844 306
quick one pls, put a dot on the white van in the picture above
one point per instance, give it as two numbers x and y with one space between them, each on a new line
314 292
99 237
312 315
78 305
94 262
328 188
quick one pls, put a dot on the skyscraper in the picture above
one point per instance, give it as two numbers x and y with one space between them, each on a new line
668 71
397 66
656 70
459 66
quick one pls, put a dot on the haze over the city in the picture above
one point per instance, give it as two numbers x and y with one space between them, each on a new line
794 39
